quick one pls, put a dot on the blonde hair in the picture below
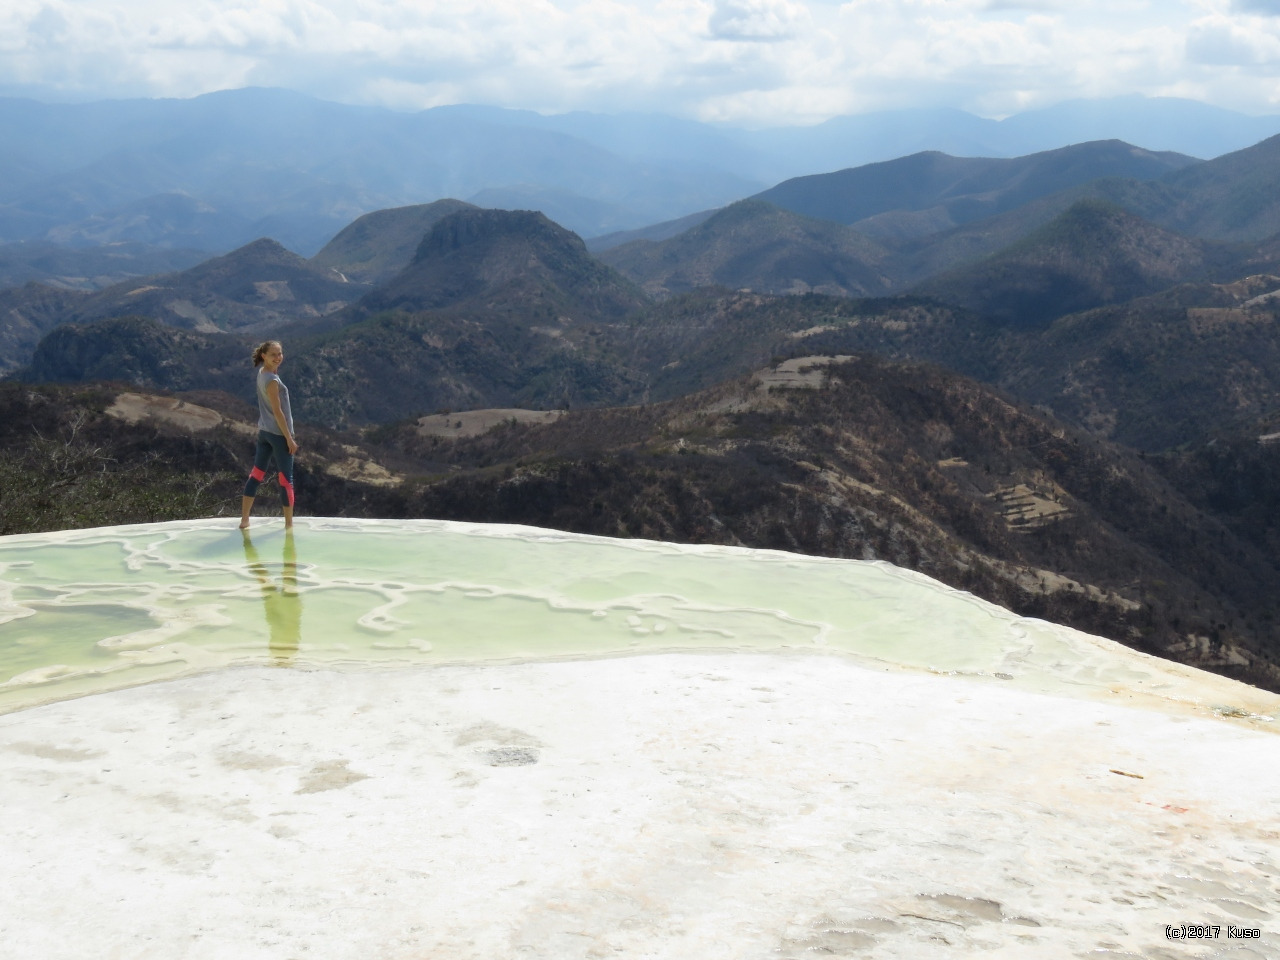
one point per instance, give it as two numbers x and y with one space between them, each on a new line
263 347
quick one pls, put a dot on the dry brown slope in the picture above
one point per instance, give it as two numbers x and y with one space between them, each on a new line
872 460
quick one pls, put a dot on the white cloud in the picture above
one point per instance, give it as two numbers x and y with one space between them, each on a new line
756 19
1223 42
758 61
48 27
1038 5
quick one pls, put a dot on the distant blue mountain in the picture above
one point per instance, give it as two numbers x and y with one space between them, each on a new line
220 170
1161 124
954 190
1154 123
773 154
309 167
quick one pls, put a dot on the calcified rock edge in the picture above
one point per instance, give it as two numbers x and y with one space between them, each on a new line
810 758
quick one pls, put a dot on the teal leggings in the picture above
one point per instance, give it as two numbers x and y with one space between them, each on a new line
271 446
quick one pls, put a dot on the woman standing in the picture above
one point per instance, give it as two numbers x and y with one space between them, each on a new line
275 432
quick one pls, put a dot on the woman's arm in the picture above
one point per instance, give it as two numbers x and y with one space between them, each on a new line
273 394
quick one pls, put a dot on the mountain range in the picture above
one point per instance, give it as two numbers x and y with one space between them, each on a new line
467 282
494 308
929 192
774 377
453 283
973 232
221 170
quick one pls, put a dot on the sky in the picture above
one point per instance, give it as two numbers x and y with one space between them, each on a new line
744 62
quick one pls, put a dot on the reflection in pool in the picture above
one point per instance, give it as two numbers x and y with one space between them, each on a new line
90 610
281 598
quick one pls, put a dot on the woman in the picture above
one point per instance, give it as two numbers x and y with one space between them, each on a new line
275 432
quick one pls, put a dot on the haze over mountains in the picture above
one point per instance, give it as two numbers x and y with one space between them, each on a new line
221 170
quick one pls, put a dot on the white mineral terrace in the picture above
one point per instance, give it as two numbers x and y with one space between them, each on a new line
429 740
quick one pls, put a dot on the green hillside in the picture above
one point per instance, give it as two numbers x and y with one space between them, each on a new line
755 245
375 247
1092 254
950 191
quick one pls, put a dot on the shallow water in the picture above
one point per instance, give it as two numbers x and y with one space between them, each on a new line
91 610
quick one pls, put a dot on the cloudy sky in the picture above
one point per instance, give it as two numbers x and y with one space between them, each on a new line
752 62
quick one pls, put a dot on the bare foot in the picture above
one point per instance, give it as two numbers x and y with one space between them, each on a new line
244 524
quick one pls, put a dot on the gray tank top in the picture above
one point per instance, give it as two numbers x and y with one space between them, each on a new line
266 417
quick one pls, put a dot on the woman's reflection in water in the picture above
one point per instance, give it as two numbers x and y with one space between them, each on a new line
282 600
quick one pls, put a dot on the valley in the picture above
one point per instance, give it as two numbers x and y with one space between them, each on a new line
1040 380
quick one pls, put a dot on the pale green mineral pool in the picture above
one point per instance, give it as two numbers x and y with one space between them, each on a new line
90 610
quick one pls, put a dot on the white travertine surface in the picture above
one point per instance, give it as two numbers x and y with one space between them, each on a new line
408 740
720 805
